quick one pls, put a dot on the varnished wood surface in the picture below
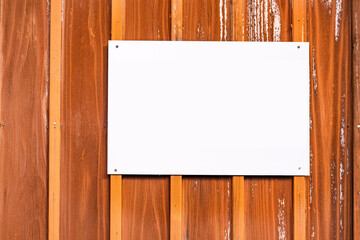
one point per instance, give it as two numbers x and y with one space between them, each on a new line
206 208
24 62
206 201
356 109
268 201
268 208
84 181
330 182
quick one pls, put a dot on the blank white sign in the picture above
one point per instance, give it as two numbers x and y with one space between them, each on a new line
208 108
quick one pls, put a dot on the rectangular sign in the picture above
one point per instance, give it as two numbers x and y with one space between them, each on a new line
208 108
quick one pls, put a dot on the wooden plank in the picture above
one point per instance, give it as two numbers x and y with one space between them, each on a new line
116 180
24 59
330 182
175 207
238 191
356 124
176 181
115 206
206 200
238 208
206 208
146 200
268 208
300 190
85 188
176 19
268 200
54 128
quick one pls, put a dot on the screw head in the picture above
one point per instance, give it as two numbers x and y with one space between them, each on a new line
298 46
115 170
117 46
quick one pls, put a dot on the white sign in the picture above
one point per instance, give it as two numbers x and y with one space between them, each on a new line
208 108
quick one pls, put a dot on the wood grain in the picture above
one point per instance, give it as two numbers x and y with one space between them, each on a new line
207 20
145 213
175 207
84 181
117 15
329 32
300 184
24 38
206 208
268 208
146 203
268 200
356 109
238 208
206 200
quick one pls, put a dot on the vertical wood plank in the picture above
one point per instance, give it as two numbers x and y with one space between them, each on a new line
115 206
268 208
268 200
238 208
146 199
238 191
85 185
175 207
356 123
176 181
116 180
207 200
300 190
330 181
24 105
54 128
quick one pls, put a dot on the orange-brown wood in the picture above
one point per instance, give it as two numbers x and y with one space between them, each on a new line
300 189
115 206
146 200
175 207
238 208
24 102
206 200
206 208
238 18
330 182
176 181
116 180
268 200
176 19
356 123
268 208
85 189
238 193
54 128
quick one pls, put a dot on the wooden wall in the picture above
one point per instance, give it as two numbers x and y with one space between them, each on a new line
331 27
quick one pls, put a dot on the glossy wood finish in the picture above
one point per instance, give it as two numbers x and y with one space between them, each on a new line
330 183
24 87
84 181
356 122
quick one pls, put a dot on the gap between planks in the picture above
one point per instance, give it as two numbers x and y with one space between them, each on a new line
54 124
176 181
116 180
238 200
299 183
